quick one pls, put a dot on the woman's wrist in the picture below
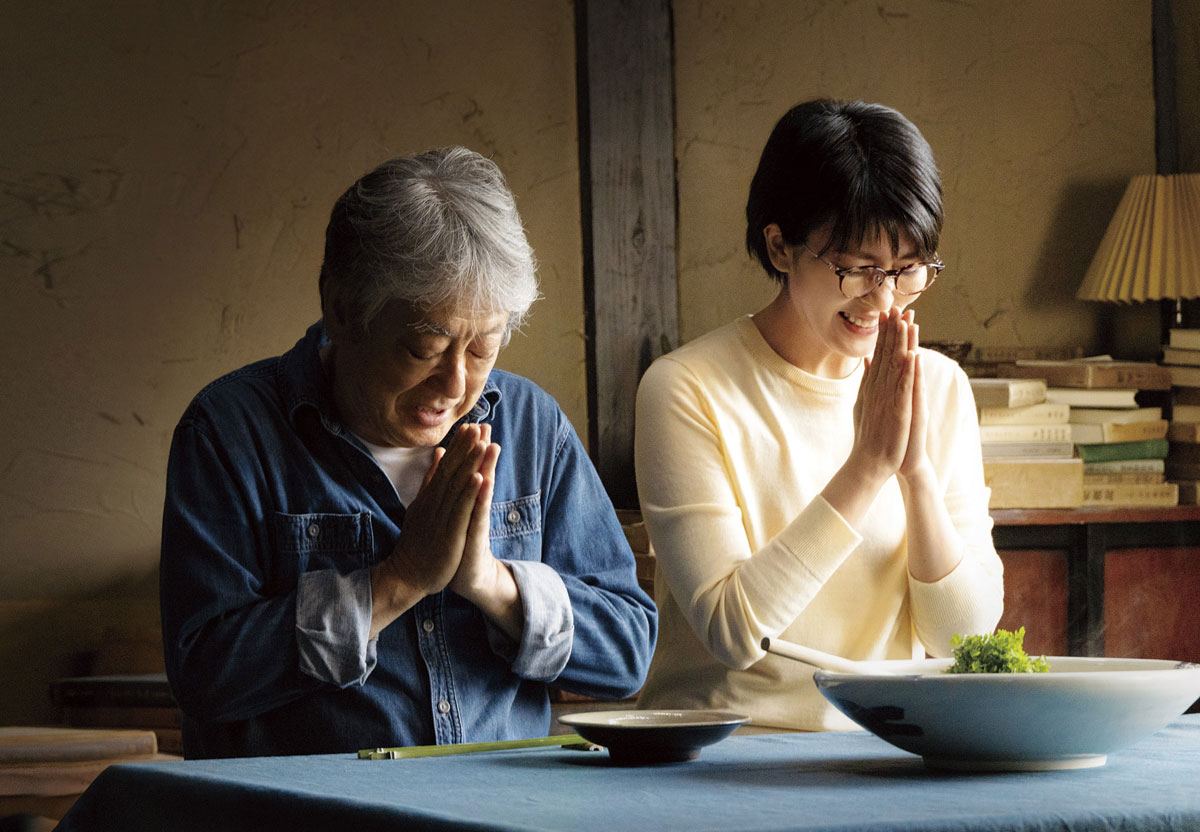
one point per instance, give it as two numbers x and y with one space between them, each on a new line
853 489
866 470
923 477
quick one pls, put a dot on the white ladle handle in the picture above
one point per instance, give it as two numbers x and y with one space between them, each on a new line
808 655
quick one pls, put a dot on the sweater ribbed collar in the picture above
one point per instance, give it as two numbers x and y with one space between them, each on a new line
773 361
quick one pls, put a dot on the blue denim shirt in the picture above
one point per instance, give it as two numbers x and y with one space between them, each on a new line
275 512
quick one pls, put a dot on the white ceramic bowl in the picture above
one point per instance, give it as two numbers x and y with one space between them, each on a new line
1071 717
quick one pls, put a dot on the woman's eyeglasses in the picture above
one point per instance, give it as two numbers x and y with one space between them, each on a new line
860 281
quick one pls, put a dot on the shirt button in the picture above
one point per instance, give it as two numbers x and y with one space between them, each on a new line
443 707
514 517
313 530
427 625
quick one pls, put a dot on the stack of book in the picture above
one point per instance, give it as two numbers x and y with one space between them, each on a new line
1123 445
983 361
1181 355
1028 459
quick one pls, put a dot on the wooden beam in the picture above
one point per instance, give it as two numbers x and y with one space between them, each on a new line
1166 109
627 169
1181 312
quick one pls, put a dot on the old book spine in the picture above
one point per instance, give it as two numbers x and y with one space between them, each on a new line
1125 466
1011 353
1021 450
1178 355
1032 483
1093 397
1105 415
1184 338
1006 392
1184 376
1044 413
1104 452
1020 395
1160 494
1133 431
1025 433
1136 478
1135 375
69 745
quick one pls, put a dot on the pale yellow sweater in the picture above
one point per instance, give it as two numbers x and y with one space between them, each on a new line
733 447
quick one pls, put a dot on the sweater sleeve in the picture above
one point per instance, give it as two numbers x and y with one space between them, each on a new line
970 599
732 596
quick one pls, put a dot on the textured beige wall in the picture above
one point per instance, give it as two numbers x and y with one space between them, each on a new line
166 172
1037 113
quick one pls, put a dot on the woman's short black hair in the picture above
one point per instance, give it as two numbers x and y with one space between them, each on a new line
863 168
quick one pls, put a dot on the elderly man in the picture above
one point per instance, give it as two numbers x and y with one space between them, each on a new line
377 538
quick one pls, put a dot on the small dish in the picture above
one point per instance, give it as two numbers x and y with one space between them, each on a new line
643 737
1072 717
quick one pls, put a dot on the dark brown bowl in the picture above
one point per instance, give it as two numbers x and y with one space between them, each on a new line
638 738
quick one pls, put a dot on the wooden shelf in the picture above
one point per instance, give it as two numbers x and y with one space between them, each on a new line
1081 516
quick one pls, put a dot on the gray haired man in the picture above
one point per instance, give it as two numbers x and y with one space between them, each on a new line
349 558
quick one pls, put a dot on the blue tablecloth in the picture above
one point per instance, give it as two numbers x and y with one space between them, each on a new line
834 781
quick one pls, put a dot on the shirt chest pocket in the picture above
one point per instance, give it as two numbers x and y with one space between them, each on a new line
517 528
308 542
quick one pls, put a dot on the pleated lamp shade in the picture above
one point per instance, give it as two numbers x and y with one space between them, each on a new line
1151 250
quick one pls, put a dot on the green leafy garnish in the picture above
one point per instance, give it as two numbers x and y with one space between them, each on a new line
1000 652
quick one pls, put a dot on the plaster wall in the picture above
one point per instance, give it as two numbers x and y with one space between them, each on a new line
166 173
1038 113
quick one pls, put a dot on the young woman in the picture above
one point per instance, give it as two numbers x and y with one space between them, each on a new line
808 472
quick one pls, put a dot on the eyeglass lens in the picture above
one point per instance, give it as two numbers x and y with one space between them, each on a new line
859 282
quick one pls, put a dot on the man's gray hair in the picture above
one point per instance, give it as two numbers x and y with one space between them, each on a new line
439 230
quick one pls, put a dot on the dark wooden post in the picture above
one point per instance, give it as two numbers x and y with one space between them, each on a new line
627 171
1166 110
1179 312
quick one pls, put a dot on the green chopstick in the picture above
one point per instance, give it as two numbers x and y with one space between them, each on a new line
472 747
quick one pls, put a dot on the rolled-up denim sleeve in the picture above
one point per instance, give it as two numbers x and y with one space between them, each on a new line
333 625
549 624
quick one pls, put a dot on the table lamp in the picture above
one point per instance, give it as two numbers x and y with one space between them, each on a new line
1151 250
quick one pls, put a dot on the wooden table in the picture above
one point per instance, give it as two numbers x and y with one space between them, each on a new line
1088 535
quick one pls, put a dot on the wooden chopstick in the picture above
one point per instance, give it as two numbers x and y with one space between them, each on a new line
569 740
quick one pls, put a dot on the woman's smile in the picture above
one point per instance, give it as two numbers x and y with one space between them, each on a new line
862 324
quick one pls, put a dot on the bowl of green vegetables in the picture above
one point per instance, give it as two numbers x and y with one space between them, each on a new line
995 708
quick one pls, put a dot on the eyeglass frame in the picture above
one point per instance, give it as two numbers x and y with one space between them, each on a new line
881 275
